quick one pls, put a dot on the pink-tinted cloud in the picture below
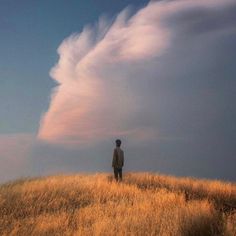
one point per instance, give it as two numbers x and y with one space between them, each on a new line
95 98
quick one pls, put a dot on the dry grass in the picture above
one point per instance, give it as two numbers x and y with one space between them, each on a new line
143 204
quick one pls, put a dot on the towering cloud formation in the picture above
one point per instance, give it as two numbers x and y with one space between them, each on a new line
99 70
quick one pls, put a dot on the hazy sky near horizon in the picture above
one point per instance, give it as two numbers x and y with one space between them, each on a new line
76 75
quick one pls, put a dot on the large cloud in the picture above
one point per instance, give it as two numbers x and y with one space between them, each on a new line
103 73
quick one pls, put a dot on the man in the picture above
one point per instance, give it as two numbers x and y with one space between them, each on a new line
118 160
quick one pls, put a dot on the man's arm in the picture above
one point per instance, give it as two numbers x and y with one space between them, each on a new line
114 158
123 158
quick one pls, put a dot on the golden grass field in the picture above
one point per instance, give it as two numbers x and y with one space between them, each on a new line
143 204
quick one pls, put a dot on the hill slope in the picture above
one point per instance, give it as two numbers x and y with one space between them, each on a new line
143 204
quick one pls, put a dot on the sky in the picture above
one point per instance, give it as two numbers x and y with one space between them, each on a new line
77 75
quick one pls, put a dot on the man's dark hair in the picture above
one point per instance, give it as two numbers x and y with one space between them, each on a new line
118 142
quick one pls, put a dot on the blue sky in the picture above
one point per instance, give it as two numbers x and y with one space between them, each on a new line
76 75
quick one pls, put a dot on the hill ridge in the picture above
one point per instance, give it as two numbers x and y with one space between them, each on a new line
143 204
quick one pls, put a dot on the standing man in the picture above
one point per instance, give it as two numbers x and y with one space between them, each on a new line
118 160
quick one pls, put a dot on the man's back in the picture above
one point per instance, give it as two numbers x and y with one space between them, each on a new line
118 158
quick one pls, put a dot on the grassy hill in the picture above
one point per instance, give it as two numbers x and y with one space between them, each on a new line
143 204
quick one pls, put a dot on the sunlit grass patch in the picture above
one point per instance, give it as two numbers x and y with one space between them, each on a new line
143 204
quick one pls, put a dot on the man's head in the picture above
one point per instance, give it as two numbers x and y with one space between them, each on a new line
118 142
